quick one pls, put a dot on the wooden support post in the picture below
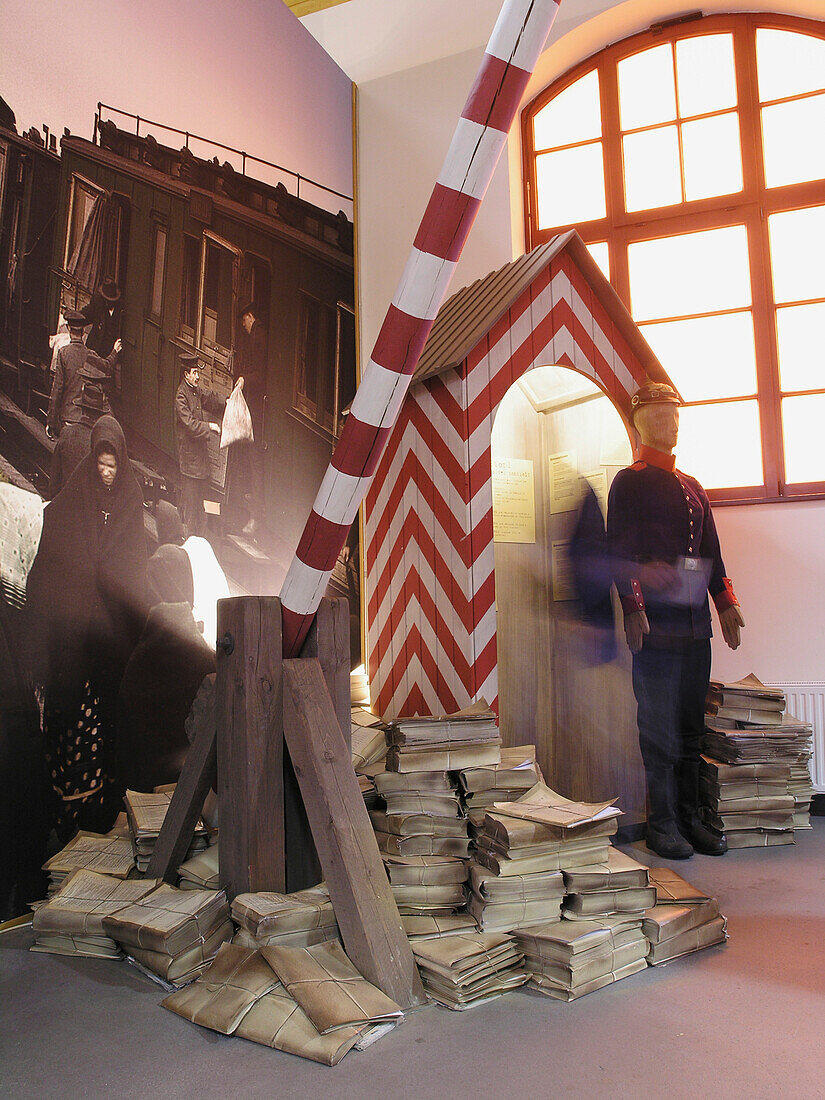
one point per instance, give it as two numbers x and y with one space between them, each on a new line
250 744
328 640
196 777
358 885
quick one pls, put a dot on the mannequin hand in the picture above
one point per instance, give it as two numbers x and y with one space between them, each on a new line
215 427
731 621
635 628
118 345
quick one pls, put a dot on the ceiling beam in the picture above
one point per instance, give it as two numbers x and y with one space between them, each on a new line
307 7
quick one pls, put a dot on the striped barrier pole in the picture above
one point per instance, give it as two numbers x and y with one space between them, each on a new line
511 55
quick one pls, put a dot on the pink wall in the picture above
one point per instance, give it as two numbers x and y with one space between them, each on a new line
250 76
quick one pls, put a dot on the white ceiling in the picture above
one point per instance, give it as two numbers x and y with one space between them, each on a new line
372 38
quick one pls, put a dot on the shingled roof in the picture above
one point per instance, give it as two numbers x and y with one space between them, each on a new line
472 311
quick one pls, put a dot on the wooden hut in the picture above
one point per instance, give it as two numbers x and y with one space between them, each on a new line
430 557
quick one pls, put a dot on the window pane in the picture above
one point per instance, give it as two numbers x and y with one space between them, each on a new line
788 63
802 420
646 88
573 116
713 159
707 357
792 138
797 247
692 273
652 176
800 332
720 444
570 186
705 74
601 254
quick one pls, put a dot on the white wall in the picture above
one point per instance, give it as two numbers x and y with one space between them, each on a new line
251 77
775 554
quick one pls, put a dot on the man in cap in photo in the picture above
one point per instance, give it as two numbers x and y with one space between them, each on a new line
67 383
667 560
76 438
195 410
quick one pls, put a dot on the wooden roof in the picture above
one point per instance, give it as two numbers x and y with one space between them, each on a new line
472 311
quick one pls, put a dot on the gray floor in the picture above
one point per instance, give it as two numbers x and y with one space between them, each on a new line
744 1020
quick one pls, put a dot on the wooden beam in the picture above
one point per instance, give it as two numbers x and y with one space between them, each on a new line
250 745
358 885
196 777
328 640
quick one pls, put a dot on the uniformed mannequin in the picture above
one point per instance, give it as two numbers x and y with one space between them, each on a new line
666 561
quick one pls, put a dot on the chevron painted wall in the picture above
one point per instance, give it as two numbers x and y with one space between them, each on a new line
430 561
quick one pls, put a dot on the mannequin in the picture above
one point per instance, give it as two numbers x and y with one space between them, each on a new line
667 560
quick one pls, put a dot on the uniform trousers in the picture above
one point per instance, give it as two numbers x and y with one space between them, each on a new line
191 505
670 682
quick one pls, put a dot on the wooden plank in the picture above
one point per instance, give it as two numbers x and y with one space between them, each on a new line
250 744
328 640
196 777
358 885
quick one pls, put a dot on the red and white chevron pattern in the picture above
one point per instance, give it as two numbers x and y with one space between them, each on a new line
430 562
511 55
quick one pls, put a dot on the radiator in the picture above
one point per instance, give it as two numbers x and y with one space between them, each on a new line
807 702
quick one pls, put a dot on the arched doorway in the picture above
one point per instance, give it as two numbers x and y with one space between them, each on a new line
564 670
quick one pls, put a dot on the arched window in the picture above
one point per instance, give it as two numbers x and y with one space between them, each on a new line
691 160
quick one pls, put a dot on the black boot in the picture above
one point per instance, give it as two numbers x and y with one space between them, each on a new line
663 837
704 840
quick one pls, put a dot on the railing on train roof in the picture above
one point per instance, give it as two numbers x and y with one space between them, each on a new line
189 136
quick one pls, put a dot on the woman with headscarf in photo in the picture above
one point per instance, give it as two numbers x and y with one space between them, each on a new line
162 678
86 598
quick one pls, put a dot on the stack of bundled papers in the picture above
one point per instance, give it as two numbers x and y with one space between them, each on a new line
430 928
109 855
200 872
523 847
617 887
311 1002
71 922
427 885
288 920
468 739
145 812
750 803
543 831
501 903
747 701
369 745
463 971
567 960
504 782
173 933
423 815
683 920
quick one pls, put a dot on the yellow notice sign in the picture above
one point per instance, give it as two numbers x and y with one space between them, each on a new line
514 501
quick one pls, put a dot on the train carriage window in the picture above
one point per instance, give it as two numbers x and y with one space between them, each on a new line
83 198
255 286
217 318
314 390
116 240
158 271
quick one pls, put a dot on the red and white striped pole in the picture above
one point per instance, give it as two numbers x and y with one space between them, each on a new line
512 52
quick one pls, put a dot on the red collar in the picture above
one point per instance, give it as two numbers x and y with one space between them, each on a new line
657 458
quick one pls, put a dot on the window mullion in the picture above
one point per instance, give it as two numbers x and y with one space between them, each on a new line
614 177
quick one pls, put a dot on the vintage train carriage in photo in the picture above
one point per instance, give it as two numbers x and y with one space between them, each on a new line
29 182
190 241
